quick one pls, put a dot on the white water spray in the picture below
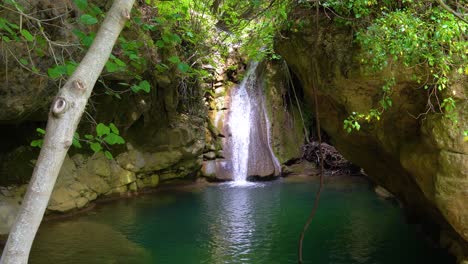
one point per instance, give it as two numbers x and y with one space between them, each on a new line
240 123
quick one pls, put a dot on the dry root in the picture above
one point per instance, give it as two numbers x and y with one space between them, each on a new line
332 159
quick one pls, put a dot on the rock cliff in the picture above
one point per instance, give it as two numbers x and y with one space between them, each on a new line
424 161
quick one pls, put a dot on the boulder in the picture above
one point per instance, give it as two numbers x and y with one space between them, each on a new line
210 155
121 177
169 176
133 187
63 199
148 182
68 172
9 208
131 160
100 165
69 193
160 160
209 169
94 182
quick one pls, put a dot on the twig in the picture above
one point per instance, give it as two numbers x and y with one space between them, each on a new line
455 13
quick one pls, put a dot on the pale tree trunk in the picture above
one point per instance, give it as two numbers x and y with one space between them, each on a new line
65 114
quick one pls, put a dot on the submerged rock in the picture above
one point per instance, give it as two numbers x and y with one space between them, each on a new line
105 244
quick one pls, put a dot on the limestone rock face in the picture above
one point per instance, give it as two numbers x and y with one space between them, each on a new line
99 165
422 162
161 160
286 126
121 177
151 181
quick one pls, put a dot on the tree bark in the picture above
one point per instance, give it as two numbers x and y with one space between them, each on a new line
64 116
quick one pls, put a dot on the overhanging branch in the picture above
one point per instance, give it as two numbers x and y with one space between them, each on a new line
455 13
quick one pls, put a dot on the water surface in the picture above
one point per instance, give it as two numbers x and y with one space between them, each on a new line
238 224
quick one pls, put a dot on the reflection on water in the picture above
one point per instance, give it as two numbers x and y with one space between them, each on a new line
255 224
238 224
85 242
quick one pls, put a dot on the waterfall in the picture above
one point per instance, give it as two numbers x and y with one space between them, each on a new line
240 124
248 147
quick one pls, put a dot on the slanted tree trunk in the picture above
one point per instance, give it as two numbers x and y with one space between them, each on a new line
65 114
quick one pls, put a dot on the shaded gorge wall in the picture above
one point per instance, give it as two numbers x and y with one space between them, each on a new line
423 162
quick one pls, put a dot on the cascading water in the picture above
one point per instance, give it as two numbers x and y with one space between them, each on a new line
240 123
249 151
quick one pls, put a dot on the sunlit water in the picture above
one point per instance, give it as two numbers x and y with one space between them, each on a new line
253 224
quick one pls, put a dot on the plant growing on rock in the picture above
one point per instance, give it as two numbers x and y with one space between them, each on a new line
104 136
413 34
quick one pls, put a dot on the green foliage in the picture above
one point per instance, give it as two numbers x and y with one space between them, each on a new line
408 33
253 25
38 142
81 4
105 136
142 86
352 122
27 35
87 19
62 70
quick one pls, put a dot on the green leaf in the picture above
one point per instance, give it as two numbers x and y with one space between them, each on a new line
160 44
145 86
175 38
27 35
24 61
85 39
113 128
90 137
113 139
76 140
70 68
37 143
57 71
81 4
108 155
40 131
183 67
96 147
88 19
95 10
102 130
120 62
174 59
112 67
